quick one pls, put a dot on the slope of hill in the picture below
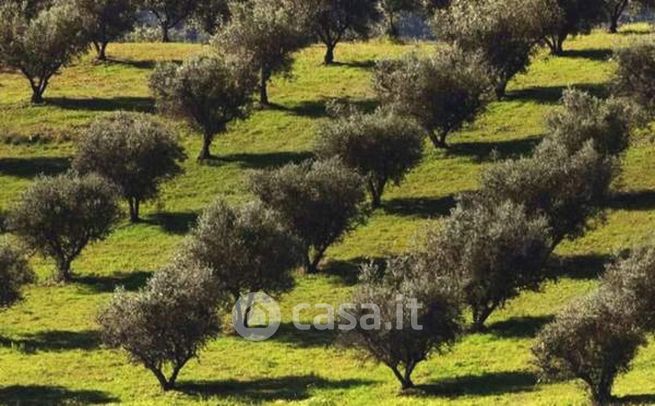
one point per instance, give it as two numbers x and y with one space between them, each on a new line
49 345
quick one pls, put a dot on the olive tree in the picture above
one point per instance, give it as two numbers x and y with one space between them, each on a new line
59 216
576 17
247 249
442 92
635 76
614 10
318 201
633 279
15 272
211 14
107 21
498 248
207 91
134 151
169 13
569 190
39 46
392 10
166 324
381 146
266 33
333 20
402 314
592 340
504 31
583 117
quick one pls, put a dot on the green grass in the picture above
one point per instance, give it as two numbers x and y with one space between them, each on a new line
49 346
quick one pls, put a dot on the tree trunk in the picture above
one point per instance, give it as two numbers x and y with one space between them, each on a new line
439 141
134 209
205 152
164 33
263 89
614 24
311 264
501 88
329 54
63 270
376 189
37 97
601 396
102 52
480 316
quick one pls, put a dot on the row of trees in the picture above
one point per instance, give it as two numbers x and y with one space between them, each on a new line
263 34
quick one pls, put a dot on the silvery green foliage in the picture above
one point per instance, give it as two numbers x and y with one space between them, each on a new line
39 45
442 92
247 249
211 14
498 251
14 273
635 76
134 151
170 13
319 202
397 343
166 324
568 189
633 279
266 33
392 11
207 91
106 21
583 117
59 216
382 146
335 20
592 340
504 31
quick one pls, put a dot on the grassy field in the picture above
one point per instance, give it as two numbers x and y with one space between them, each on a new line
49 345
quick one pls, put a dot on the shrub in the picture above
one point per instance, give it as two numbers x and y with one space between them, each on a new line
247 249
132 150
636 72
266 32
335 20
14 273
59 216
209 92
107 21
318 201
592 340
38 46
498 250
169 13
567 189
443 92
166 324
381 146
582 117
431 318
633 279
504 31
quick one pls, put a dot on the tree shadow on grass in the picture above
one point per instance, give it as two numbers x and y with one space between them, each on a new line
288 388
597 54
288 333
481 385
137 104
643 399
318 108
54 341
51 395
519 327
553 94
421 207
178 223
28 168
580 267
266 160
637 200
365 64
483 151
131 281
348 270
147 64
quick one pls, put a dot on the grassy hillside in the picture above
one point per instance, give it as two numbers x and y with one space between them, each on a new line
49 345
